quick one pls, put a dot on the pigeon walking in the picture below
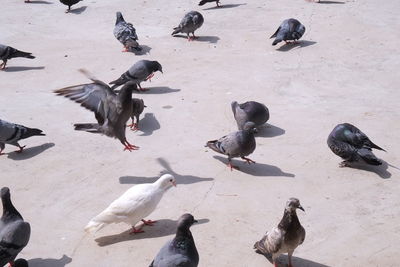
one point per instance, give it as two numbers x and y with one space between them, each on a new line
69 3
286 237
349 143
142 70
137 109
189 24
180 251
133 206
202 2
112 111
290 30
237 144
126 34
8 52
11 133
250 111
14 231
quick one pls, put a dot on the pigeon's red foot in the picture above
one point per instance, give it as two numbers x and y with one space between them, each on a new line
232 166
20 149
2 66
130 147
148 222
135 231
149 77
133 126
249 161
125 49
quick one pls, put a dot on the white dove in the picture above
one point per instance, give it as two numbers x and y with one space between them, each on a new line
133 206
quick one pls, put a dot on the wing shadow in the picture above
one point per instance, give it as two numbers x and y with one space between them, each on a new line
224 6
78 10
380 170
30 152
298 262
40 2
209 39
269 130
39 262
148 124
298 44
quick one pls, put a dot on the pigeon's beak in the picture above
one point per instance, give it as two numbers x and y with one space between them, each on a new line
174 183
195 221
300 207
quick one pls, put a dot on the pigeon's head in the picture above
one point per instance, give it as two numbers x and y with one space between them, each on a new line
5 192
21 263
299 32
119 17
186 220
157 67
292 204
166 181
251 126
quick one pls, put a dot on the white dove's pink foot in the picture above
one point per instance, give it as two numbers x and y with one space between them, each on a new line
148 222
135 231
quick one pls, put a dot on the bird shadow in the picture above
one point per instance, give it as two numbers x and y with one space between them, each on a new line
298 44
143 51
39 262
163 227
330 2
149 124
257 169
30 152
159 90
298 262
40 2
180 179
209 39
269 130
21 68
78 10
224 6
380 170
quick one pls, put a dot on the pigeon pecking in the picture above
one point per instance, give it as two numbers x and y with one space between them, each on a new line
250 111
112 111
142 70
11 133
8 52
286 237
133 206
290 30
69 3
180 251
14 231
202 2
349 143
137 109
237 144
189 24
126 34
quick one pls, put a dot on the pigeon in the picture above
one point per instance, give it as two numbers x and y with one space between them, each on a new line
202 2
290 29
126 34
20 263
138 107
349 143
180 251
11 133
286 237
112 111
69 3
142 70
14 231
237 144
250 111
134 205
8 52
189 24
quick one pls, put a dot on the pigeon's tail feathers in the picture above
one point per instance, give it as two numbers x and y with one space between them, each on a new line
151 264
277 41
215 145
368 156
202 2
260 247
88 127
176 30
31 132
94 226
23 54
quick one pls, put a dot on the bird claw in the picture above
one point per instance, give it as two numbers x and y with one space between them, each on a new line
233 166
249 161
344 164
135 231
133 126
20 149
149 77
148 222
130 147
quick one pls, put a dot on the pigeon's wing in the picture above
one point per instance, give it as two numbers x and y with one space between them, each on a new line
14 237
139 72
8 131
293 24
274 240
227 145
166 257
302 234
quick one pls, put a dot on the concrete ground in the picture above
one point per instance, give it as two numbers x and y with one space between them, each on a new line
345 69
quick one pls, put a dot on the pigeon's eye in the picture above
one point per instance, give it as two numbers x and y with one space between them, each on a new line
170 180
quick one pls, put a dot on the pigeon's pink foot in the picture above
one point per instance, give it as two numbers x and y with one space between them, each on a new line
232 166
135 231
125 49
149 77
148 222
130 147
249 161
133 126
2 66
20 149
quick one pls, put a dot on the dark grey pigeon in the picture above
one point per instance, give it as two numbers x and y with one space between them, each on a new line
189 24
202 2
69 3
180 251
14 232
290 30
137 109
142 70
8 52
250 111
126 34
11 133
286 237
112 111
349 143
237 144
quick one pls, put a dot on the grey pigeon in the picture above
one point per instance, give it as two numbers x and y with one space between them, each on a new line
237 144
349 143
142 70
8 52
112 111
11 133
290 29
137 109
286 237
69 3
202 2
126 34
14 232
250 111
180 251
189 24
